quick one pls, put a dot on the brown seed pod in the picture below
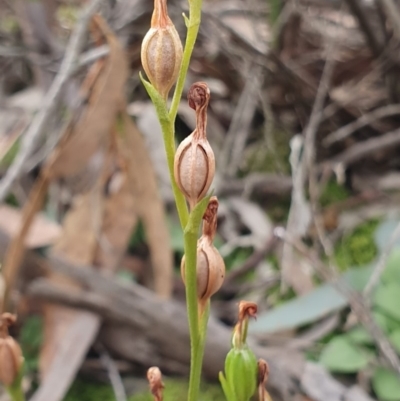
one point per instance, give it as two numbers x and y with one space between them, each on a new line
210 269
154 377
10 352
10 360
161 51
194 165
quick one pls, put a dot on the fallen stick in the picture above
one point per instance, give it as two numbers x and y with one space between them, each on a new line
148 330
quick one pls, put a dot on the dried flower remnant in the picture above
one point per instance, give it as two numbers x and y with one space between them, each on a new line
194 165
161 51
210 270
155 381
246 310
10 352
263 373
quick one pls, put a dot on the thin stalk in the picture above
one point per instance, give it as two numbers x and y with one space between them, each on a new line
196 363
192 311
180 201
197 329
16 393
167 127
193 25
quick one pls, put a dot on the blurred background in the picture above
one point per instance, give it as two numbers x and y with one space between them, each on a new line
304 121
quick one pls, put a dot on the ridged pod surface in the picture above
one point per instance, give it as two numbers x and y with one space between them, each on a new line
161 52
242 374
210 268
194 166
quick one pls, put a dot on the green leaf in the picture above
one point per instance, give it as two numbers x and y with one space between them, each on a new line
186 19
341 355
359 335
386 384
387 297
384 232
196 215
158 101
386 323
395 340
392 270
310 307
225 386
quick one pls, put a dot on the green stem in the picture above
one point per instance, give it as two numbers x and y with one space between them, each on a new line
16 393
180 201
197 329
193 26
196 362
192 311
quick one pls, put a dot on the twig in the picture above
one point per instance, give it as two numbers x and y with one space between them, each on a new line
316 113
269 128
35 130
303 166
311 130
360 150
91 56
355 300
239 127
364 120
357 7
113 374
393 15
381 264
266 183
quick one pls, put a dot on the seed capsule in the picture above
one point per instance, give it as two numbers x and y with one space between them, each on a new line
210 268
10 360
194 165
155 381
10 352
241 372
161 51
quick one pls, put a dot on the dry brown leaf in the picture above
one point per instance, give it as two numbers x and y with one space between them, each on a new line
149 205
77 244
78 241
15 251
43 232
84 222
70 348
119 220
93 128
69 333
78 144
